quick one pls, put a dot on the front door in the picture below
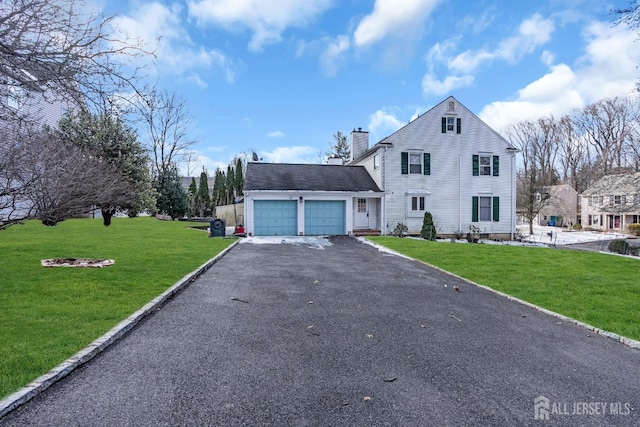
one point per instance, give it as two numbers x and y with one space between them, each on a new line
362 214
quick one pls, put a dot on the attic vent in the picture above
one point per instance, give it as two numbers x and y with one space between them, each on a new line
452 106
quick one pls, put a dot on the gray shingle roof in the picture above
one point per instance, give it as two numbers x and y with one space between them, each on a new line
619 184
307 177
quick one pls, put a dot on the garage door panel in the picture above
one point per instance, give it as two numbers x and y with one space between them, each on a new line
275 217
322 217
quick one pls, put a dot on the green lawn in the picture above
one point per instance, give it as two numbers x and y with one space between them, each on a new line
599 289
48 314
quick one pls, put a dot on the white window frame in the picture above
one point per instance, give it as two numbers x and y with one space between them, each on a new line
486 169
376 161
415 168
417 203
488 209
451 124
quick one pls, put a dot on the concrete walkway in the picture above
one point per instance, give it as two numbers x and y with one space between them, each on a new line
346 335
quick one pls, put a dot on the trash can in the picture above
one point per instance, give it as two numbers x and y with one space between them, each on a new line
217 227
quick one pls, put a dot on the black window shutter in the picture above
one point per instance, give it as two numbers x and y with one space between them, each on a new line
427 163
474 209
458 125
476 165
444 125
404 160
496 209
496 165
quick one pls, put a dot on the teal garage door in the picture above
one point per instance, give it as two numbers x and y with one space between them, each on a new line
323 217
275 217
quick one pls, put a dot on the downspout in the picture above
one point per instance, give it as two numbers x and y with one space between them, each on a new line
513 196
459 192
383 208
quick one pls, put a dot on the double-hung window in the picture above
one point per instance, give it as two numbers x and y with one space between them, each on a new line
451 124
485 208
485 165
415 163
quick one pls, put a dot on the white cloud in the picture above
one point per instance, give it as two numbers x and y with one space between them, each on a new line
382 123
160 29
532 33
606 70
547 58
392 17
275 134
266 19
554 94
432 86
333 55
295 154
610 65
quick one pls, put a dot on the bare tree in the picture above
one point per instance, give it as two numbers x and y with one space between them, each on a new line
52 53
537 142
64 181
166 121
607 127
573 154
64 46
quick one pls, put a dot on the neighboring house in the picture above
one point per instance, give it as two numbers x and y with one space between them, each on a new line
612 202
447 162
27 98
560 206
24 101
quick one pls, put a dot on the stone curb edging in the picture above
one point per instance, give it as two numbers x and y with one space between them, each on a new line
45 381
621 339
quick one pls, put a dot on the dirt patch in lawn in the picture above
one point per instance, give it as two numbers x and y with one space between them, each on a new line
77 262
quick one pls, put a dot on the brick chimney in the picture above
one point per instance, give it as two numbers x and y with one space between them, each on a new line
359 142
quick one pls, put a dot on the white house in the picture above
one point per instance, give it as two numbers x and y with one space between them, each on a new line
446 162
560 207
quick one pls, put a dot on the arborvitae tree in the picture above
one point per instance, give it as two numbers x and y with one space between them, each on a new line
192 194
229 185
428 227
219 188
239 176
203 198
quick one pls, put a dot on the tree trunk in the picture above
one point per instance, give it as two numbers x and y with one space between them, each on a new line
107 214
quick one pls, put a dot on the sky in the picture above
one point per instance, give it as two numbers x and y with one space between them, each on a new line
281 77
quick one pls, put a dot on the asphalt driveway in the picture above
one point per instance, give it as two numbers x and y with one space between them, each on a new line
281 334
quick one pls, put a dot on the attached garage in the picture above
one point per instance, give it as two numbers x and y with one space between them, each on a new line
275 217
324 217
282 199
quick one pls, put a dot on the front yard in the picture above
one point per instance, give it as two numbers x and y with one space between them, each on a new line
48 314
597 289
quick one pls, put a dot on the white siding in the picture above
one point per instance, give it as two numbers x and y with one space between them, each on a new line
451 184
